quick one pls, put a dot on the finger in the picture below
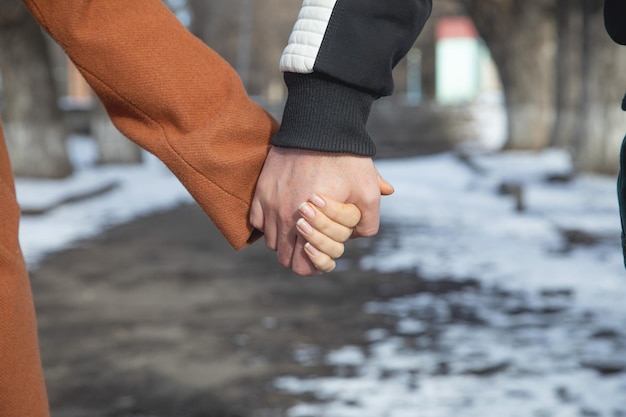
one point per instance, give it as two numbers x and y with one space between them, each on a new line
258 221
345 214
385 186
322 262
323 224
270 234
300 263
285 243
256 215
321 242
370 219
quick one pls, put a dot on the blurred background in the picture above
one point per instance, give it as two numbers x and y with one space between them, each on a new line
495 286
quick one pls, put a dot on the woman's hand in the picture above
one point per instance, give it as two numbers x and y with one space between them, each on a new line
325 225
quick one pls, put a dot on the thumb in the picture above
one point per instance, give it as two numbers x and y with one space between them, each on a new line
385 187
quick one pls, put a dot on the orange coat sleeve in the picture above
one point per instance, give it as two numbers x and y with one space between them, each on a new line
171 94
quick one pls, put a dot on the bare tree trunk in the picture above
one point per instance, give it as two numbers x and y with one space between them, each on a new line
569 74
562 76
113 146
521 36
248 33
216 23
273 21
602 123
33 125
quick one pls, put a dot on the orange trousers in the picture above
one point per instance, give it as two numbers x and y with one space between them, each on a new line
169 93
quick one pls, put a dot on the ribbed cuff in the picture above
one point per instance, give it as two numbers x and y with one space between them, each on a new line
324 115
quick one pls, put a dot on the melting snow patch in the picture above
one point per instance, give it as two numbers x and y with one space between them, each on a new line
541 332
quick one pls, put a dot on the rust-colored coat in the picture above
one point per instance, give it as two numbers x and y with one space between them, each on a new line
172 95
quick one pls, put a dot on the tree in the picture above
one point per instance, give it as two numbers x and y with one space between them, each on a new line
559 70
601 123
569 73
113 146
215 22
250 35
589 122
32 120
521 36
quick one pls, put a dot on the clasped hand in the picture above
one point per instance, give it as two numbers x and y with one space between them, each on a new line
309 203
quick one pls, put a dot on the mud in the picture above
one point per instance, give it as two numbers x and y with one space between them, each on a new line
160 317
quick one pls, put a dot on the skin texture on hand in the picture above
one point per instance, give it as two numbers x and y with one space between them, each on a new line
325 225
290 176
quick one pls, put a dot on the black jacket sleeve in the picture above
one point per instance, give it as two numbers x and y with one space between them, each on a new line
615 20
340 59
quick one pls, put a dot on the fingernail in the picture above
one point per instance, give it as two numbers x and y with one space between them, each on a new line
318 201
311 249
304 226
306 210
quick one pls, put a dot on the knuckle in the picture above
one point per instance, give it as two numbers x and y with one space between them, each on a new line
324 225
287 218
303 270
372 200
335 250
355 213
346 235
330 267
332 211
368 231
255 217
256 223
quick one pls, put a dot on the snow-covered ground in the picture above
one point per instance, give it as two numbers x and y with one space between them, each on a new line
523 314
517 320
139 190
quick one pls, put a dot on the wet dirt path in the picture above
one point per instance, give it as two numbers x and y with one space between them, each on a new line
160 317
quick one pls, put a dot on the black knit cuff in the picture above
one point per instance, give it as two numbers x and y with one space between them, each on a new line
324 115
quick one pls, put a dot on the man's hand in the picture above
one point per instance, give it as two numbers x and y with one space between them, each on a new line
290 176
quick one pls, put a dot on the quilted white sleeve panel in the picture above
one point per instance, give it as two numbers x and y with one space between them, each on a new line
306 37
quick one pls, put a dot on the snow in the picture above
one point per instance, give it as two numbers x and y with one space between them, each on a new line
454 223
517 321
140 190
540 327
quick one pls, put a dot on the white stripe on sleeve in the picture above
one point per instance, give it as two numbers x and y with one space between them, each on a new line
306 37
